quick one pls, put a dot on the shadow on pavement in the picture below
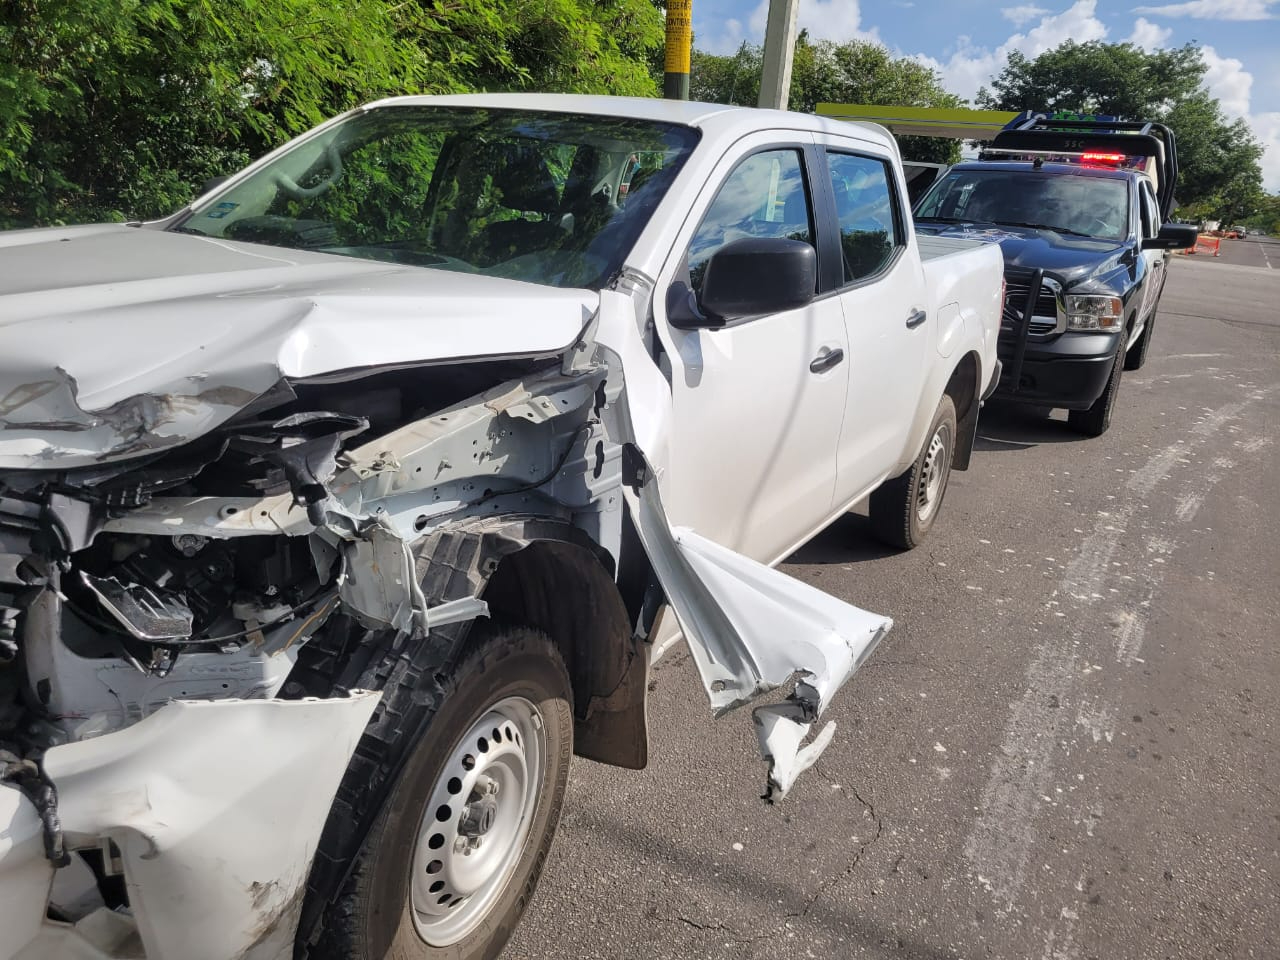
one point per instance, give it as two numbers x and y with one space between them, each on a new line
1005 427
848 540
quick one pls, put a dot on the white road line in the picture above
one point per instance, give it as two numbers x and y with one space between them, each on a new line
1004 831
1264 255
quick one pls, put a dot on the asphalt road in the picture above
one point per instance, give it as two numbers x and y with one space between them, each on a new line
1065 749
1250 252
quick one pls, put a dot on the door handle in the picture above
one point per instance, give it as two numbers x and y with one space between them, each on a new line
825 361
915 318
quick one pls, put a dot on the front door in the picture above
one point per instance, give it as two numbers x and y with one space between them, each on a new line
756 405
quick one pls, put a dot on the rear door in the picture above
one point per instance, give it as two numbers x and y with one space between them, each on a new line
886 314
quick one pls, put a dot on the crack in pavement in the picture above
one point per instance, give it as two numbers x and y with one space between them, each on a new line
857 857
737 936
714 928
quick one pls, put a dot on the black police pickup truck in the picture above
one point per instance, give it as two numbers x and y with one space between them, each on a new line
1079 209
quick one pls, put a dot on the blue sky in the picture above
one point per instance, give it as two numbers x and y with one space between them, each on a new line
968 42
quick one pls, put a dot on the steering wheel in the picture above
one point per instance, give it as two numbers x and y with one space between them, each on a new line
291 188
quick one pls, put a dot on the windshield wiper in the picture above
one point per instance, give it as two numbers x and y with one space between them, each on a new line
1047 226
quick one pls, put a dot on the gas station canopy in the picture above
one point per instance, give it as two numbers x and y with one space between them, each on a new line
956 123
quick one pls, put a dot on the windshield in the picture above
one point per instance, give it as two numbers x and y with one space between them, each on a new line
551 198
1095 207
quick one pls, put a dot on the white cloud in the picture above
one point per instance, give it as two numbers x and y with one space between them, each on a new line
970 67
727 40
1229 81
1214 9
1149 36
1232 85
838 20
1266 126
1022 14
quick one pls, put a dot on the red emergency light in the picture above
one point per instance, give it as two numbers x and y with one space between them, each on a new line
1114 159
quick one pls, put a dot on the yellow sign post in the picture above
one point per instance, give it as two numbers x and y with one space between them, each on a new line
675 78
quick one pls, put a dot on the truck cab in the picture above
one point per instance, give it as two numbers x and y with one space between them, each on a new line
1079 209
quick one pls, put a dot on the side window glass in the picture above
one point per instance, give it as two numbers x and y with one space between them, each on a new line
869 229
765 196
1150 218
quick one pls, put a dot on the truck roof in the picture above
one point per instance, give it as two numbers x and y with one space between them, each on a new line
714 118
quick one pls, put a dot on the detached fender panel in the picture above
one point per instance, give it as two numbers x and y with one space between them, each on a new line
752 629
216 808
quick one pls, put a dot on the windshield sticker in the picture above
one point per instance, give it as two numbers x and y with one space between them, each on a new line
221 210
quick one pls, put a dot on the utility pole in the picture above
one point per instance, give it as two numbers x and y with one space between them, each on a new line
779 48
675 78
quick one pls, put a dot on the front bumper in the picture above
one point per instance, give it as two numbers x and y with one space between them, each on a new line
1070 370
215 807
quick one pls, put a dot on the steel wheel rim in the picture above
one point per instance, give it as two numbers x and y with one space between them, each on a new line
933 473
471 835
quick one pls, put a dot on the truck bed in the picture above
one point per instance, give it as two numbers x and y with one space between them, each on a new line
932 248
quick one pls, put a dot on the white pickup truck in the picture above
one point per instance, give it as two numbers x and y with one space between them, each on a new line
339 509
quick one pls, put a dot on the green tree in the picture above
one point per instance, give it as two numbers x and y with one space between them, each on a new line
1218 158
118 108
827 72
1267 215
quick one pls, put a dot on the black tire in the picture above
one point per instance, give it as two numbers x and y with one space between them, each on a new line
898 516
1095 421
374 918
1136 355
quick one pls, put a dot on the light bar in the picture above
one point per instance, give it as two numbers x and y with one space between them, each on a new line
1092 157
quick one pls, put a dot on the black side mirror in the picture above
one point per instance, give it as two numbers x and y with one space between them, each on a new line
755 276
1173 236
211 184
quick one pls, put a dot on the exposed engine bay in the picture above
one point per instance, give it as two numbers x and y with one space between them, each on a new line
152 610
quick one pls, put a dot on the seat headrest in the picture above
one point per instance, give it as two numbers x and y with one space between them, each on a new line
524 180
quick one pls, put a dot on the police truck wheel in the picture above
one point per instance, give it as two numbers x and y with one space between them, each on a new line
1095 421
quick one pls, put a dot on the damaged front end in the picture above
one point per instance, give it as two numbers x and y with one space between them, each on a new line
168 756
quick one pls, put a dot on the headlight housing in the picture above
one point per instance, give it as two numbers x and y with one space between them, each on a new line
1094 312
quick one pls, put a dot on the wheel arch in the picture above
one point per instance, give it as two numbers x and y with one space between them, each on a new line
607 663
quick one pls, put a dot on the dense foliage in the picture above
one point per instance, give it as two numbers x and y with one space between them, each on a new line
118 108
121 108
1220 175
1267 216
826 72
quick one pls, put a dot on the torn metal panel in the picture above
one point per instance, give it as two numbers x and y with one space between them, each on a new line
412 476
215 808
750 628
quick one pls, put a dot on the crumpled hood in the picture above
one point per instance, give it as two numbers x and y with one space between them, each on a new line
117 341
1062 256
